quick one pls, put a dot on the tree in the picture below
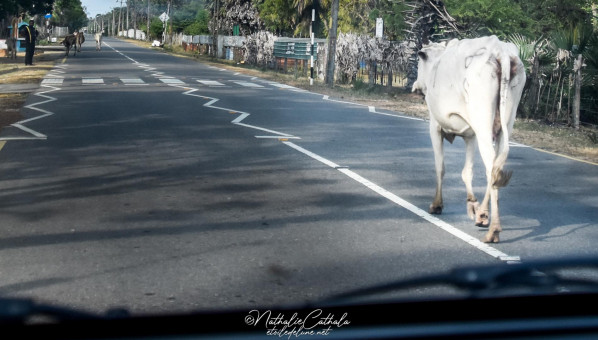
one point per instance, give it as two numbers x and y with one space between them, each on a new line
190 13
428 20
354 16
156 28
228 13
32 7
69 13
490 17
304 23
393 14
279 16
573 44
200 25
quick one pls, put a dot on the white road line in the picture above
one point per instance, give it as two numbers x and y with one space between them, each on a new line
133 81
171 81
283 86
236 121
247 84
264 129
517 145
412 208
312 155
92 81
278 137
240 118
399 116
210 82
19 125
52 81
36 135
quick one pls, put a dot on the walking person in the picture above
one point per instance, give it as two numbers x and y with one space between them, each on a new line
30 35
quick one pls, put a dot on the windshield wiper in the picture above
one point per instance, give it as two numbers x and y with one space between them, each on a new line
541 275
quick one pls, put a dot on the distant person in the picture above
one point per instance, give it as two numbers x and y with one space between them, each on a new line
30 34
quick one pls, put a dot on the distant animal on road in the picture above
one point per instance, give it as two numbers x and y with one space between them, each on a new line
80 40
11 48
98 38
68 42
472 88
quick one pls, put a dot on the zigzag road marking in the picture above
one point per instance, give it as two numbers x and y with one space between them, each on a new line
236 121
44 113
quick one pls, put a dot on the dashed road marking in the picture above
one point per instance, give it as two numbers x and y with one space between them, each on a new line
52 81
210 82
247 84
133 81
172 81
92 81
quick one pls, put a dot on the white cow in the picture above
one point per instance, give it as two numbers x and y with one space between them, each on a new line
98 38
472 88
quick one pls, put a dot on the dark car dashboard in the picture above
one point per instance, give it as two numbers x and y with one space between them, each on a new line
559 302
561 316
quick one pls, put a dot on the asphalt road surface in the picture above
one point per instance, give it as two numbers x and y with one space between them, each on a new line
156 183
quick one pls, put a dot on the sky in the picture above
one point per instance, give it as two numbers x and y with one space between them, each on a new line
95 7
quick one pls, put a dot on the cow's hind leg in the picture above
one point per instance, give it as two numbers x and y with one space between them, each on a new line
499 178
437 145
467 176
492 236
488 153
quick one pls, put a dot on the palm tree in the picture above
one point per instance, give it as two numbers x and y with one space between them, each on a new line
571 46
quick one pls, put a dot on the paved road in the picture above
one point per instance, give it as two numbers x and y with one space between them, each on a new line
161 184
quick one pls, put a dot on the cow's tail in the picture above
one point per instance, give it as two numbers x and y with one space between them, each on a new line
500 178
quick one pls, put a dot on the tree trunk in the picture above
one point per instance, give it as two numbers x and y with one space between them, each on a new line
533 92
127 18
332 45
577 99
371 73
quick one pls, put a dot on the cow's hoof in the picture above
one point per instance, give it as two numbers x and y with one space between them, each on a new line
472 208
435 210
491 237
482 220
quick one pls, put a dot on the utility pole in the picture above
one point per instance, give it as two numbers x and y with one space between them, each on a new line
311 35
332 45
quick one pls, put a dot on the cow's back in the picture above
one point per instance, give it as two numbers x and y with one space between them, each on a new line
467 70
